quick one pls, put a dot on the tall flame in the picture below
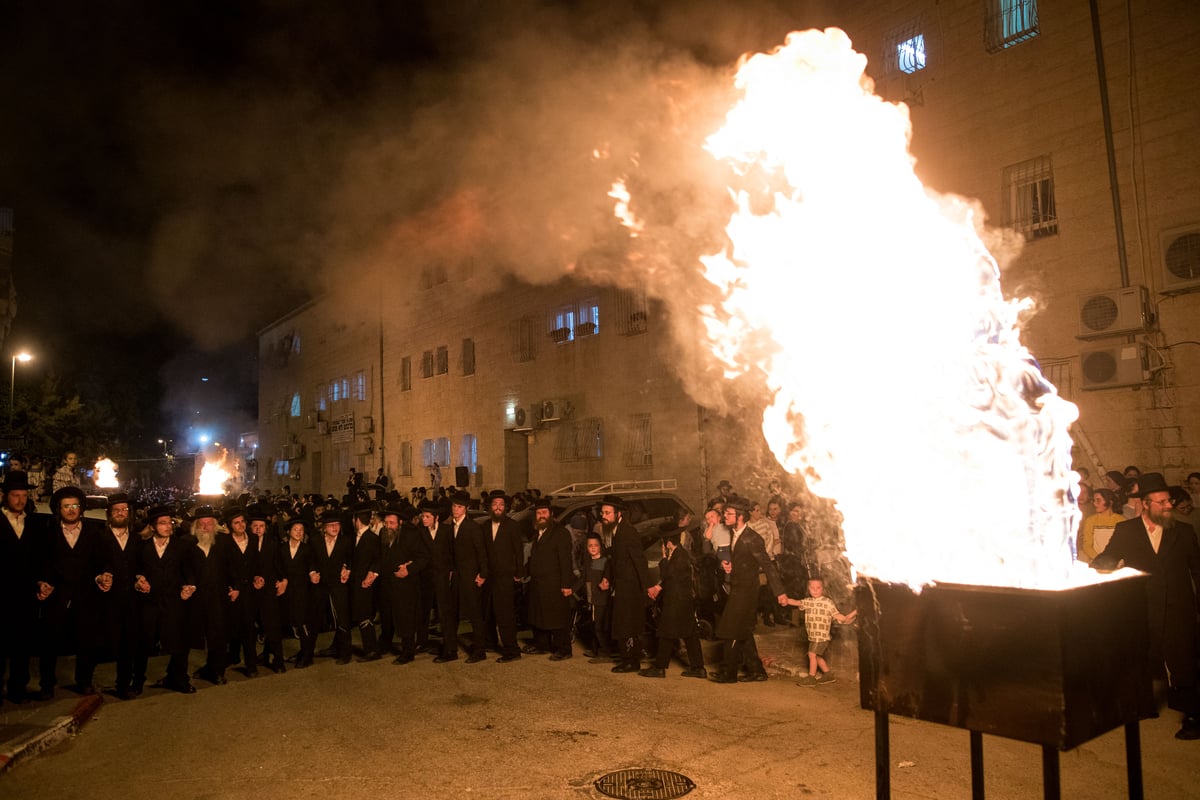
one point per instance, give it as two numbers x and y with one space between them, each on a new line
213 476
899 384
106 474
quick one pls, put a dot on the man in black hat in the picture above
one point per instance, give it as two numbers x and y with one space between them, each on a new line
551 578
210 613
331 567
270 582
677 608
165 582
470 575
240 606
736 625
403 561
630 584
121 610
74 574
364 571
506 566
1167 550
435 584
22 545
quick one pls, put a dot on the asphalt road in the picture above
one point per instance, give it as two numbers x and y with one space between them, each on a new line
535 729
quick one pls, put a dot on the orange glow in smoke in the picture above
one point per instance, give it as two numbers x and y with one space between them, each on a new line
898 382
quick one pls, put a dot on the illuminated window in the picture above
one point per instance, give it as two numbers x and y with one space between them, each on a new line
296 343
562 324
322 400
1030 192
1009 22
587 318
904 50
360 385
335 390
295 410
468 454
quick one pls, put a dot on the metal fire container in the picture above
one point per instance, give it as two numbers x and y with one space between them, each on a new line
1054 668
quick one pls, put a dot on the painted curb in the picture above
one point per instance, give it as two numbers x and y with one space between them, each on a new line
46 737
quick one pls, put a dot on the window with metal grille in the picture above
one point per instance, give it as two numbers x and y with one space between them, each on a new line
1030 190
630 311
580 440
904 49
427 364
587 318
468 454
562 324
1009 22
427 453
406 458
639 442
406 374
525 339
443 360
321 399
468 356
360 385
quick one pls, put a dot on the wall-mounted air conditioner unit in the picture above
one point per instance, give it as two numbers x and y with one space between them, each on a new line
1181 260
548 411
522 419
1115 365
1114 312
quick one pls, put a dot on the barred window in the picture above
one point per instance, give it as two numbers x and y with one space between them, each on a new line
1029 187
443 360
580 440
360 385
468 453
525 339
562 324
903 49
1009 22
406 466
639 442
631 311
406 374
427 364
468 356
322 401
587 318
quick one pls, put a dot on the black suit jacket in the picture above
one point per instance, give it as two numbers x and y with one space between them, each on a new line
20 566
470 551
506 552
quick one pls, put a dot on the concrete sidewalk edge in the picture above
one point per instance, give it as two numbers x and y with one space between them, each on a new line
46 736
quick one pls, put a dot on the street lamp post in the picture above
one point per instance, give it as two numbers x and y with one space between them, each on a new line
12 384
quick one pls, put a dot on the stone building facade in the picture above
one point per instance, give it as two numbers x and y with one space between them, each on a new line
1006 105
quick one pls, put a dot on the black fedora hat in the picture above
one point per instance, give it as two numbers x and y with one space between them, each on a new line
616 501
460 498
16 479
1150 482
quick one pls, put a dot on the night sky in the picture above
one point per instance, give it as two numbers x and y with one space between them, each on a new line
184 173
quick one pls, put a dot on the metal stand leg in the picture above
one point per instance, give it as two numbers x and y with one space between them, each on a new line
1051 789
1133 760
883 772
976 765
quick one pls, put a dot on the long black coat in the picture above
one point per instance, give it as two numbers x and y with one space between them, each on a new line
296 607
749 559
630 580
410 547
364 560
208 609
330 591
76 600
120 603
1171 599
20 566
162 607
677 605
470 559
549 573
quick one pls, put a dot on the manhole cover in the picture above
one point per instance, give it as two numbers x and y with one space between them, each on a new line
644 784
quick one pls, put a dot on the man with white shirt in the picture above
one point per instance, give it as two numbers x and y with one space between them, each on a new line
1154 543
364 571
506 563
21 549
471 572
331 573
120 606
73 577
165 582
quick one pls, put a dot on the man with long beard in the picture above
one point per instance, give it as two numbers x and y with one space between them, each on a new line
1169 553
631 589
506 563
551 577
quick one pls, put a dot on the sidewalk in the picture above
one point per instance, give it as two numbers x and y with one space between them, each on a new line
28 729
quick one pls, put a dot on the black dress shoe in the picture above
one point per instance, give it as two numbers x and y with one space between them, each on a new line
559 656
721 677
328 652
374 656
627 668
342 660
403 659
252 673
123 694
653 672
698 672
475 658
444 659
42 694
136 689
187 688
507 659
752 677
302 663
1190 729
530 650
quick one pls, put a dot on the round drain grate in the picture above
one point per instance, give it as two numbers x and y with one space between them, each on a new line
644 784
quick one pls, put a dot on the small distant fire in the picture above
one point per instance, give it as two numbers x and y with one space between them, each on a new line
213 476
106 474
